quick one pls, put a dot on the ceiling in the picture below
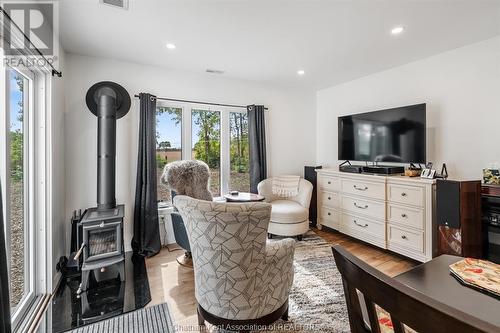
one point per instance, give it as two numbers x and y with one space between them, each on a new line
268 41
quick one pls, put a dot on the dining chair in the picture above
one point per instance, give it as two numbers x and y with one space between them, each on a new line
378 303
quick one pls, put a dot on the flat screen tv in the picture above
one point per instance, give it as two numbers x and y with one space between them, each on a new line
392 135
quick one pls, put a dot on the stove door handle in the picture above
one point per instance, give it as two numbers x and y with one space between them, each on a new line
79 253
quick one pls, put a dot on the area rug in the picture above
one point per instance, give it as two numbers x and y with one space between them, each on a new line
317 302
154 319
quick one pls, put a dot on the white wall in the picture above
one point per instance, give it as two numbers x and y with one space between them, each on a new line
60 220
462 91
290 122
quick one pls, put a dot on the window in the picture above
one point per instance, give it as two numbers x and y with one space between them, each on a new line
24 180
18 220
17 174
239 154
168 143
206 144
217 137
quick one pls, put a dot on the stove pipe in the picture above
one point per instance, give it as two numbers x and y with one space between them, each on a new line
109 102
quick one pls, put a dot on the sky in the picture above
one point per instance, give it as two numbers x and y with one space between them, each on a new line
168 130
15 97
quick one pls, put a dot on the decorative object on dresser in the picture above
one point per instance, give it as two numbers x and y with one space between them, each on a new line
311 176
491 175
413 170
346 166
459 218
102 226
391 212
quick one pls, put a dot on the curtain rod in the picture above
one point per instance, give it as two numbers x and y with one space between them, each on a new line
197 102
54 70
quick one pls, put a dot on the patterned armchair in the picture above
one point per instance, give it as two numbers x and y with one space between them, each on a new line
240 278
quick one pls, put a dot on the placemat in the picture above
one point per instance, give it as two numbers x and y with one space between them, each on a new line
476 273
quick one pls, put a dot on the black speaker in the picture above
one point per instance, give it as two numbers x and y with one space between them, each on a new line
310 175
458 213
448 203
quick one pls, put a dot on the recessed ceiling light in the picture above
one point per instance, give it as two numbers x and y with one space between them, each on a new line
301 72
170 46
397 30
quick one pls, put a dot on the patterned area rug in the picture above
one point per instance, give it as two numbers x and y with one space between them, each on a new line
317 302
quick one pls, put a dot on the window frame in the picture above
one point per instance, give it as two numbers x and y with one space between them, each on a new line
225 135
36 191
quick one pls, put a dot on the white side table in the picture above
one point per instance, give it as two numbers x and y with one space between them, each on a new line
165 220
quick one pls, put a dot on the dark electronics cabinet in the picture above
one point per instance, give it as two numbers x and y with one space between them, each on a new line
459 218
310 175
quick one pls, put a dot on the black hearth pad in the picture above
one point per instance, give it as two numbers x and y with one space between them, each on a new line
105 300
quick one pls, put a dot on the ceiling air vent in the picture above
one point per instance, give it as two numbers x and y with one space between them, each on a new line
123 4
215 71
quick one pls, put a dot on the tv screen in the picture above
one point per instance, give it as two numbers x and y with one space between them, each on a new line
392 135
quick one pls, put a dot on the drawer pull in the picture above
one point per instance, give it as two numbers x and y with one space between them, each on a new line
360 225
329 213
329 182
404 237
404 215
403 194
360 188
360 207
329 198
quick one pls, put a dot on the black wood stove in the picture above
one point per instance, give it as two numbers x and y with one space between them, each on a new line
102 226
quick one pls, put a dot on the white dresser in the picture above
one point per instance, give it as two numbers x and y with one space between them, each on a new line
391 212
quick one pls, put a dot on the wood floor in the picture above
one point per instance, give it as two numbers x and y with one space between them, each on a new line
174 284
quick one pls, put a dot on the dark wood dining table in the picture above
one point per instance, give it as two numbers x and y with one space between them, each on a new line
433 279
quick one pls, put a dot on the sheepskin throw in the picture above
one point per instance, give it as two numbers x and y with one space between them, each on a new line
286 186
188 177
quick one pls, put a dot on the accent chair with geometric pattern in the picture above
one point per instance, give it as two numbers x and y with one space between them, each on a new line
241 278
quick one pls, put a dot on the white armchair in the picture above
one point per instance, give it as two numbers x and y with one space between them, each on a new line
240 278
289 216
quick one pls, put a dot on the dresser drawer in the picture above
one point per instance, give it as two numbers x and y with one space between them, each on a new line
409 239
329 217
412 217
354 225
329 199
366 189
375 209
328 183
409 195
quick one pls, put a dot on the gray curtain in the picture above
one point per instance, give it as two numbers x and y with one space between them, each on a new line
146 239
4 278
257 143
